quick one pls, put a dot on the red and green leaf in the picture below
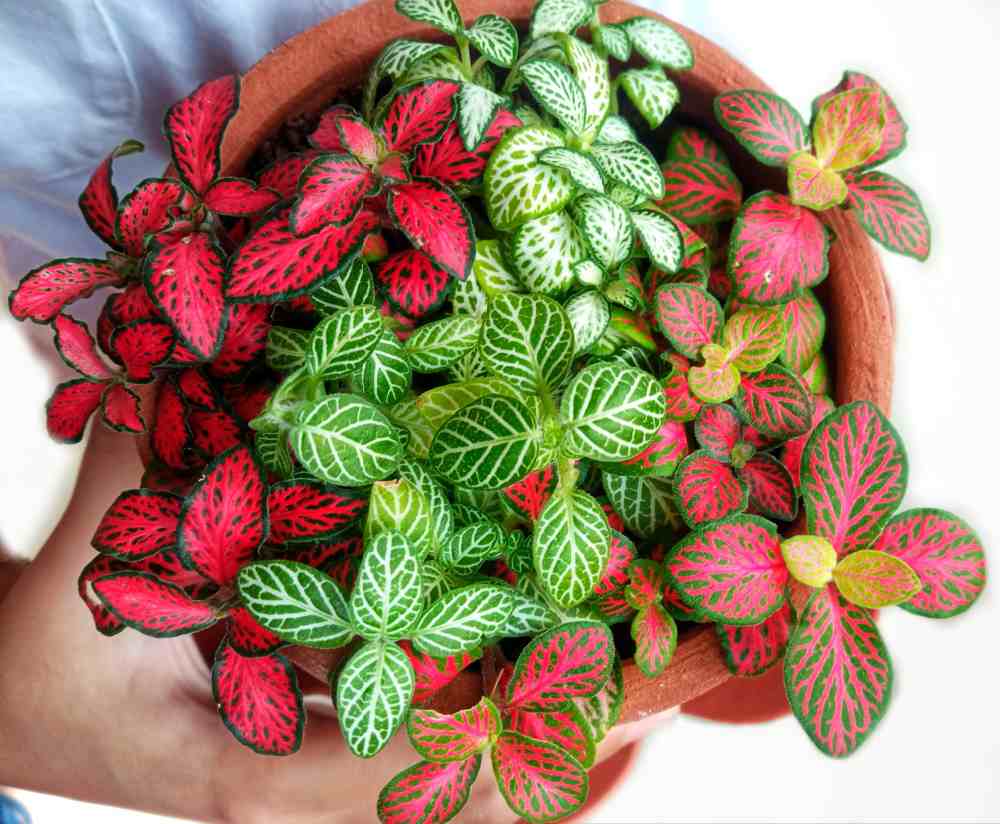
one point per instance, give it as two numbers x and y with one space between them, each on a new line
99 201
70 407
105 622
655 634
412 283
433 674
244 340
120 409
449 162
752 650
616 573
664 453
247 637
131 304
775 403
565 728
168 567
170 435
428 793
214 431
847 128
805 326
891 213
538 780
44 292
331 191
717 430
194 128
151 606
440 737
529 495
326 136
690 143
772 492
764 124
894 130
700 191
282 176
418 114
141 345
239 197
77 348
302 511
791 454
682 405
707 489
435 221
150 208
688 316
646 583
139 523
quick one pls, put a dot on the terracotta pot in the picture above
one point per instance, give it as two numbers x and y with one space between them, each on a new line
306 72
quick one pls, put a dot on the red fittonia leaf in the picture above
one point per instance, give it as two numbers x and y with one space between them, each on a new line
301 511
259 700
682 405
707 489
99 201
688 142
436 221
675 606
321 556
170 435
393 169
772 492
141 345
752 650
247 637
529 495
418 114
331 191
185 279
148 209
853 476
132 304
731 571
433 674
439 737
168 567
663 454
616 573
76 346
152 606
655 634
247 400
194 127
777 249
565 728
121 409
282 176
104 620
890 212
718 430
775 402
791 454
326 136
357 138
214 431
225 518
688 316
645 583
413 284
765 125
837 672
245 339
195 389
699 191
449 162
539 780
894 130
239 197
805 326
428 793
847 129
139 523
70 407
44 292
946 554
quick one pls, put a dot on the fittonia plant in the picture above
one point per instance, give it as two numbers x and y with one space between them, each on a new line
476 377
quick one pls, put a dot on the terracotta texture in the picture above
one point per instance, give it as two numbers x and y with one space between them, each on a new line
307 71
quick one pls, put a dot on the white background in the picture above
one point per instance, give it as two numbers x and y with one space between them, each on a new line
936 755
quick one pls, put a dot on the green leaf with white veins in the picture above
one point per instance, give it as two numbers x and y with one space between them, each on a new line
477 106
345 440
436 346
442 516
543 252
615 42
530 614
297 602
394 60
554 16
659 43
611 412
340 343
527 340
577 165
488 444
588 273
286 348
461 620
388 594
352 287
615 129
589 315
441 14
491 271
399 506
644 503
471 546
571 546
272 449
517 186
556 91
660 238
606 227
468 297
417 433
385 377
441 402
374 691
591 73
651 92
633 165
496 39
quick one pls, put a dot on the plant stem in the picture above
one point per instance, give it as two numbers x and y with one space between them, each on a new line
465 54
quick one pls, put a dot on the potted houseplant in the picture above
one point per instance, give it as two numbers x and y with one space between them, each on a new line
497 392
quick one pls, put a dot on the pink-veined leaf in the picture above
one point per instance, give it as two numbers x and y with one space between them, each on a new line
440 737
99 201
433 674
528 496
141 345
428 792
194 127
893 133
435 221
140 522
570 661
777 249
225 518
853 476
646 583
805 326
791 454
44 292
170 435
357 139
418 114
770 487
682 405
699 191
302 511
613 605
752 650
565 728
874 579
655 634
847 128
664 453
891 213
838 675
539 780
121 410
412 283
775 403
813 185
76 347
616 573
676 606
70 407
239 197
214 431
244 340
691 143
148 209
688 316
449 162
151 606
720 283
331 190
326 136
765 125
707 489
944 552
718 429
259 700
731 571
282 176
105 621
247 637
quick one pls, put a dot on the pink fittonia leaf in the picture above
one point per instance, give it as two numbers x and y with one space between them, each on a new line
614 605
690 143
245 339
664 453
148 209
104 620
614 519
185 279
449 162
394 169
45 291
70 407
433 674
805 326
141 345
214 431
225 518
791 454
894 131
775 403
413 284
194 127
565 728
538 780
99 201
777 249
699 191
76 346
838 675
120 409
436 221
428 793
853 476
890 212
645 583
529 495
170 436
675 605
282 176
944 552
239 197
682 405
707 489
771 490
874 579
273 264
717 430
688 316
326 136
152 606
132 304
765 125
616 573
331 191
752 650
655 634
139 523
249 638
440 737
813 185
301 511
418 114
357 138
731 571
259 700
570 661
847 128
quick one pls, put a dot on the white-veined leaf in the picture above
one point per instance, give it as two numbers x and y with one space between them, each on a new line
352 287
571 546
286 348
633 165
543 252
437 580
441 402
557 92
491 271
388 594
660 238
443 65
399 506
468 297
442 517
589 315
588 273
496 39
374 690
416 432
461 620
591 73
530 614
272 449
645 503
394 60
477 106
441 14
651 92
615 129
581 168
385 377
555 16
471 546
615 42
340 343
659 43
606 227
436 346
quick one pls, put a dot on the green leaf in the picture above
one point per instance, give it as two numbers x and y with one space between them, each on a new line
645 504
556 16
476 109
441 402
300 604
399 506
461 620
491 270
374 690
659 43
471 546
579 166
436 346
468 297
385 377
571 546
352 287
442 517
272 449
345 440
393 62
441 14
444 65
611 412
488 444
417 433
496 39
615 42
286 348
528 341
660 238
591 73
557 92
606 227
651 92
633 165
436 580
388 595
340 343
615 129
544 250
589 315
530 614
588 273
